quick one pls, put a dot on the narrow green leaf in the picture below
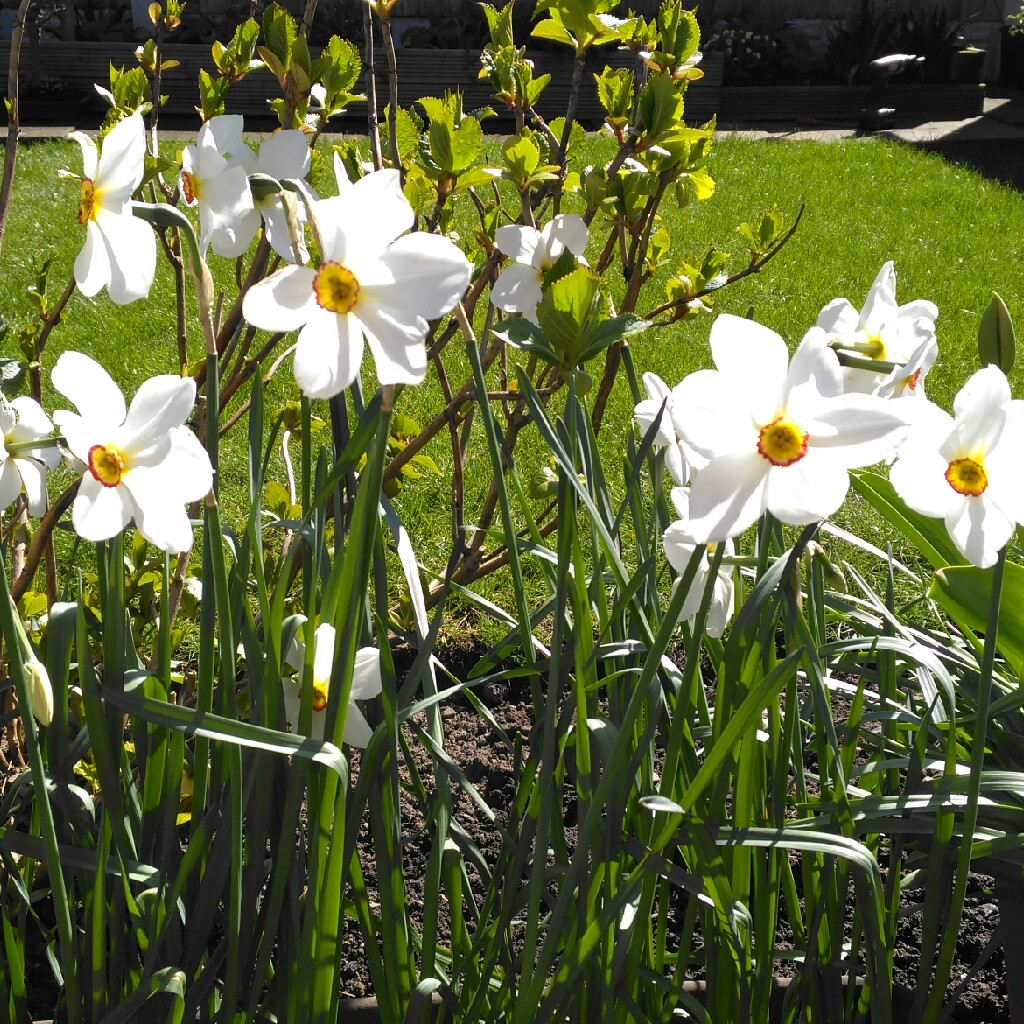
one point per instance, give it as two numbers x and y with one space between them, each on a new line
227 730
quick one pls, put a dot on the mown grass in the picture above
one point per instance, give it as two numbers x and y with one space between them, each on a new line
954 236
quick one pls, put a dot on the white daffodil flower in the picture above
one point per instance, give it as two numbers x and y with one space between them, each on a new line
882 330
907 380
285 154
141 463
23 421
779 435
679 457
366 684
965 468
679 549
219 186
370 283
40 691
120 250
518 288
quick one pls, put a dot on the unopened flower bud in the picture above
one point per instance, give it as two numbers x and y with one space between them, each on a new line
543 483
39 690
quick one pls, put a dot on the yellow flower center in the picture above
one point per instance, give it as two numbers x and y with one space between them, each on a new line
190 187
782 442
876 346
967 477
106 465
336 288
319 696
87 204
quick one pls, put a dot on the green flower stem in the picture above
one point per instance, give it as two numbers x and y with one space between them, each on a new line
9 626
163 215
345 605
208 607
970 821
873 365
26 448
871 349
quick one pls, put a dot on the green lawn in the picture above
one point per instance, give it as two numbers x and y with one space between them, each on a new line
954 236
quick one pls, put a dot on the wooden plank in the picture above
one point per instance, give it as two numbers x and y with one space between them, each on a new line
420 73
931 102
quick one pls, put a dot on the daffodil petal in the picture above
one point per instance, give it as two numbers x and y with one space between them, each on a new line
395 337
324 640
429 275
90 155
518 242
676 463
657 390
814 373
158 517
275 225
679 545
919 477
99 512
33 476
880 305
366 677
283 302
980 413
285 155
566 231
32 421
858 430
92 265
517 289
89 387
753 361
370 215
726 496
225 133
10 483
161 403
131 253
722 603
291 694
647 412
357 731
707 414
328 353
838 317
979 530
188 465
122 158
233 239
919 308
808 490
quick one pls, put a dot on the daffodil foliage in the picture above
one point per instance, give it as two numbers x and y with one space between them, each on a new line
728 726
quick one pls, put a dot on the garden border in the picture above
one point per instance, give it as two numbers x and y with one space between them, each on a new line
63 66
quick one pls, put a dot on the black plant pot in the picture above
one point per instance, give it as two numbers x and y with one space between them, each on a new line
1011 59
967 66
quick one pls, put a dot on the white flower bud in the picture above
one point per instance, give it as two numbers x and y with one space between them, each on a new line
39 690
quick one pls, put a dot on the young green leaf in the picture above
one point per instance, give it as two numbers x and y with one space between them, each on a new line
996 342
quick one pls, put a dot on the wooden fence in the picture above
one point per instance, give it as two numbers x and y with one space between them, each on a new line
70 70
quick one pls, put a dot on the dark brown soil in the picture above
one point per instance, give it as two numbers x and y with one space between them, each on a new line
469 742
487 763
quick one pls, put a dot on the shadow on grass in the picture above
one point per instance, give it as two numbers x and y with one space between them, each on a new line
999 159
